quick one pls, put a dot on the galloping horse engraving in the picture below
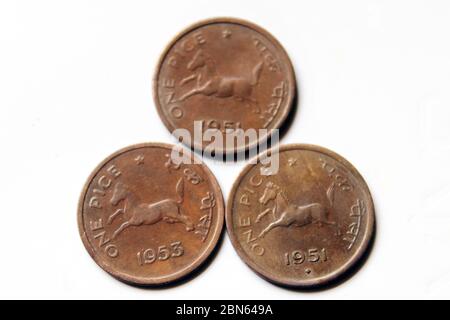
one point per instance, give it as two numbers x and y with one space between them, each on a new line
219 86
293 215
138 213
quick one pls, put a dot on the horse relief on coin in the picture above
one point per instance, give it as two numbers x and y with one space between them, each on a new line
305 224
226 75
148 220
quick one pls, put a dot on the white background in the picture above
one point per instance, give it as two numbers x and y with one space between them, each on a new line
75 86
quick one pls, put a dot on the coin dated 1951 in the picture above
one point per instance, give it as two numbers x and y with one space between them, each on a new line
227 76
304 225
148 220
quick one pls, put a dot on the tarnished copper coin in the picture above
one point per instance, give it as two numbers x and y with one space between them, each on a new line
226 75
305 224
148 220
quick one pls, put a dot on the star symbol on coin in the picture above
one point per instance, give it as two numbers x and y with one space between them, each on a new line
292 162
226 33
139 159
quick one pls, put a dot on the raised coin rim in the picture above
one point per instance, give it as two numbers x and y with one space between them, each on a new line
146 281
320 281
250 25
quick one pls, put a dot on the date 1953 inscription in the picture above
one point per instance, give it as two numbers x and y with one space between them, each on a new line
162 253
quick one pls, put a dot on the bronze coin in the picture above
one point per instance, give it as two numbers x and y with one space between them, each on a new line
148 220
305 224
227 75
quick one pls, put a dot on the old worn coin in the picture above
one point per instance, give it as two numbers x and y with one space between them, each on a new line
304 224
225 75
147 219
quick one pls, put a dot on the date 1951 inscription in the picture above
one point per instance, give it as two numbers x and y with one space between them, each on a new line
312 255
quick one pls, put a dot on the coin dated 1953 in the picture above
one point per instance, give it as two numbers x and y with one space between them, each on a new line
148 220
226 75
304 225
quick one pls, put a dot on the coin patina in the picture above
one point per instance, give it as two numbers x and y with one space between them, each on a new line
306 223
148 220
224 76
